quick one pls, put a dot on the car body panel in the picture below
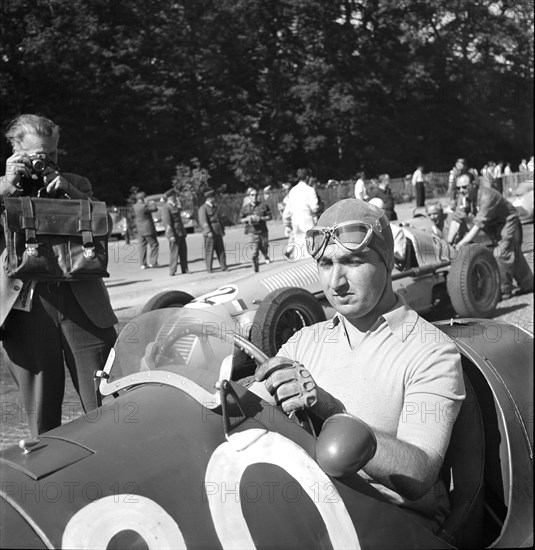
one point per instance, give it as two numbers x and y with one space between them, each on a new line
503 353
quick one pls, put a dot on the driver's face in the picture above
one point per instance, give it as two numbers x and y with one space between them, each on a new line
353 282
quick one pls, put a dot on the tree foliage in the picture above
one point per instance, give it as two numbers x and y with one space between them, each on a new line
255 89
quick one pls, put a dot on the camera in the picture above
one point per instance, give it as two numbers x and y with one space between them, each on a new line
38 163
33 186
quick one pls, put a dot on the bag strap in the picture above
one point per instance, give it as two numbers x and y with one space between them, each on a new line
86 229
28 224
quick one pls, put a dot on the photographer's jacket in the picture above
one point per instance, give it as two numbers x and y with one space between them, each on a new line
92 295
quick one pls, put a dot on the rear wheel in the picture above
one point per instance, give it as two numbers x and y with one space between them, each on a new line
281 314
170 298
474 282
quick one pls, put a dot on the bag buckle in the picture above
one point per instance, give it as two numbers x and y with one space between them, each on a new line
31 249
89 252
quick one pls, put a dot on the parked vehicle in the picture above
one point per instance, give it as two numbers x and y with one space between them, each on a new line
119 223
181 455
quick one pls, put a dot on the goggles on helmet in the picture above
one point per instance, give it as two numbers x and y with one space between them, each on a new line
353 236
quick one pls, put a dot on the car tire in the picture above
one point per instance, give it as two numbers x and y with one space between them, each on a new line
170 298
281 314
474 282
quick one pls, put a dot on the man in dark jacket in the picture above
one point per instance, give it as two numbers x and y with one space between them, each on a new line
382 191
254 214
47 326
499 219
175 233
212 232
146 231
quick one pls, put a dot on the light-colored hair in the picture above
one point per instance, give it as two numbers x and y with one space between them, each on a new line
30 124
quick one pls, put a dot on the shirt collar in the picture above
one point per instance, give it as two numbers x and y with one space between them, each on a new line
401 320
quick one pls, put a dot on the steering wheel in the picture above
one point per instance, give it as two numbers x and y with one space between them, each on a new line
303 416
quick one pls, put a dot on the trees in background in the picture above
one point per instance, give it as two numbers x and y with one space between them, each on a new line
254 89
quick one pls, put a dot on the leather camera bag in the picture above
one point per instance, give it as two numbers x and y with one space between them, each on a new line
55 239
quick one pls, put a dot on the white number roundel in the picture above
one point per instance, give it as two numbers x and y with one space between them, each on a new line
97 523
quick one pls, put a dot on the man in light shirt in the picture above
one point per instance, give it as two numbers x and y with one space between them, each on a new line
374 360
299 212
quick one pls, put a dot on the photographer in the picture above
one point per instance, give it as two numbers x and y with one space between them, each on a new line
46 326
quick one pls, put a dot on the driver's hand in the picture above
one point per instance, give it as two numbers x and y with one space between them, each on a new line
291 385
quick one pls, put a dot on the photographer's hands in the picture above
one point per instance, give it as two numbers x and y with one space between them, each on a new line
17 167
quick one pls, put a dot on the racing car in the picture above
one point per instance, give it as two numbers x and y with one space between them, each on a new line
273 304
181 455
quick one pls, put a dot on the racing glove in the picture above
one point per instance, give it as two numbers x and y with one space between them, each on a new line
291 385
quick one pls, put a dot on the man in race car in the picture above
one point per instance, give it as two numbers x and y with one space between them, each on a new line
377 359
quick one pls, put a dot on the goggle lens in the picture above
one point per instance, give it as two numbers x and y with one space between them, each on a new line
352 236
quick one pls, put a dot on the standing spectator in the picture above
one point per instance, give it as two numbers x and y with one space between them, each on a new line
267 193
254 215
497 182
289 249
523 166
175 233
499 219
213 232
146 231
487 175
418 184
383 192
298 215
530 166
507 170
47 326
360 187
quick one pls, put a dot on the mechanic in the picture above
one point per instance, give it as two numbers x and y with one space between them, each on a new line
442 222
377 359
46 326
254 214
499 219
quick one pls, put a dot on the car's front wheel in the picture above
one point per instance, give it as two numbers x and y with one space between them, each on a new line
281 314
474 282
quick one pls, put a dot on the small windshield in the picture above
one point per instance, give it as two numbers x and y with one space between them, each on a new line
170 346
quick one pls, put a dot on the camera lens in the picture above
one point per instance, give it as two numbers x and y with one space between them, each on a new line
38 165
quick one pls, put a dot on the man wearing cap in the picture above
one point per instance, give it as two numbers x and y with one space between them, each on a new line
377 359
212 232
146 231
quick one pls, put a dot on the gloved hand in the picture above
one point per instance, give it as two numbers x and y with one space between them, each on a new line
289 383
